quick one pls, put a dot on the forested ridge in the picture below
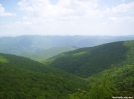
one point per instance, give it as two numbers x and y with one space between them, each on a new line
46 53
22 78
100 72
39 47
116 82
85 62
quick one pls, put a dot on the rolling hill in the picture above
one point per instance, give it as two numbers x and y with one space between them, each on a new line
99 72
34 46
116 82
23 78
85 62
46 53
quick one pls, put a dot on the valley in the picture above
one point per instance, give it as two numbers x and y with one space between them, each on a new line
24 78
66 49
40 48
66 67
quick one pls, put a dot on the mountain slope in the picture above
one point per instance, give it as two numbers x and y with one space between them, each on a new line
31 45
113 82
47 53
87 61
22 78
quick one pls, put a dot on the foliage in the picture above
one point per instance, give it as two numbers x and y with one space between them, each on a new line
117 81
109 69
100 88
37 47
22 78
85 62
3 60
42 55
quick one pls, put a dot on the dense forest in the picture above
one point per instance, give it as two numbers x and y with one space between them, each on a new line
116 82
85 62
101 72
22 78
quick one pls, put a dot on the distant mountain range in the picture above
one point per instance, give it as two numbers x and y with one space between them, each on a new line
99 72
31 45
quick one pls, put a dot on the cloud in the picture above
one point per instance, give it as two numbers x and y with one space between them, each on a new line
124 8
18 25
121 9
44 15
27 23
128 18
121 25
70 10
4 13
74 17
25 17
113 18
64 9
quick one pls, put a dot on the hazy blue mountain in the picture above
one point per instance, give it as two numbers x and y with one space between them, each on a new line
35 44
47 53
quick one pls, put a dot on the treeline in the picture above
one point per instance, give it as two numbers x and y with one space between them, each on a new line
22 78
85 62
115 82
108 70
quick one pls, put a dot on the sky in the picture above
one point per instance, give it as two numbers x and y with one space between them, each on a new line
66 17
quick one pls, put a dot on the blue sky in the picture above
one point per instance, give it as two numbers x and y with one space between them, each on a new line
66 17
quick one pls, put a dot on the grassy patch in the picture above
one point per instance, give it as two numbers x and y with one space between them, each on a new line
3 60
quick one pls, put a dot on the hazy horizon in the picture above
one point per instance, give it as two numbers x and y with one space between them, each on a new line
68 35
66 17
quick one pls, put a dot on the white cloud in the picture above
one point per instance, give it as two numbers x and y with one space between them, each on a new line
121 25
4 13
113 18
74 17
25 17
64 9
128 18
122 8
27 23
18 25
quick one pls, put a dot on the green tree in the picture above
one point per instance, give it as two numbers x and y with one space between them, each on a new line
100 88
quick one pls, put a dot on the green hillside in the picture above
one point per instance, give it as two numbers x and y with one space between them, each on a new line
108 71
85 62
111 83
34 46
3 60
22 78
47 53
